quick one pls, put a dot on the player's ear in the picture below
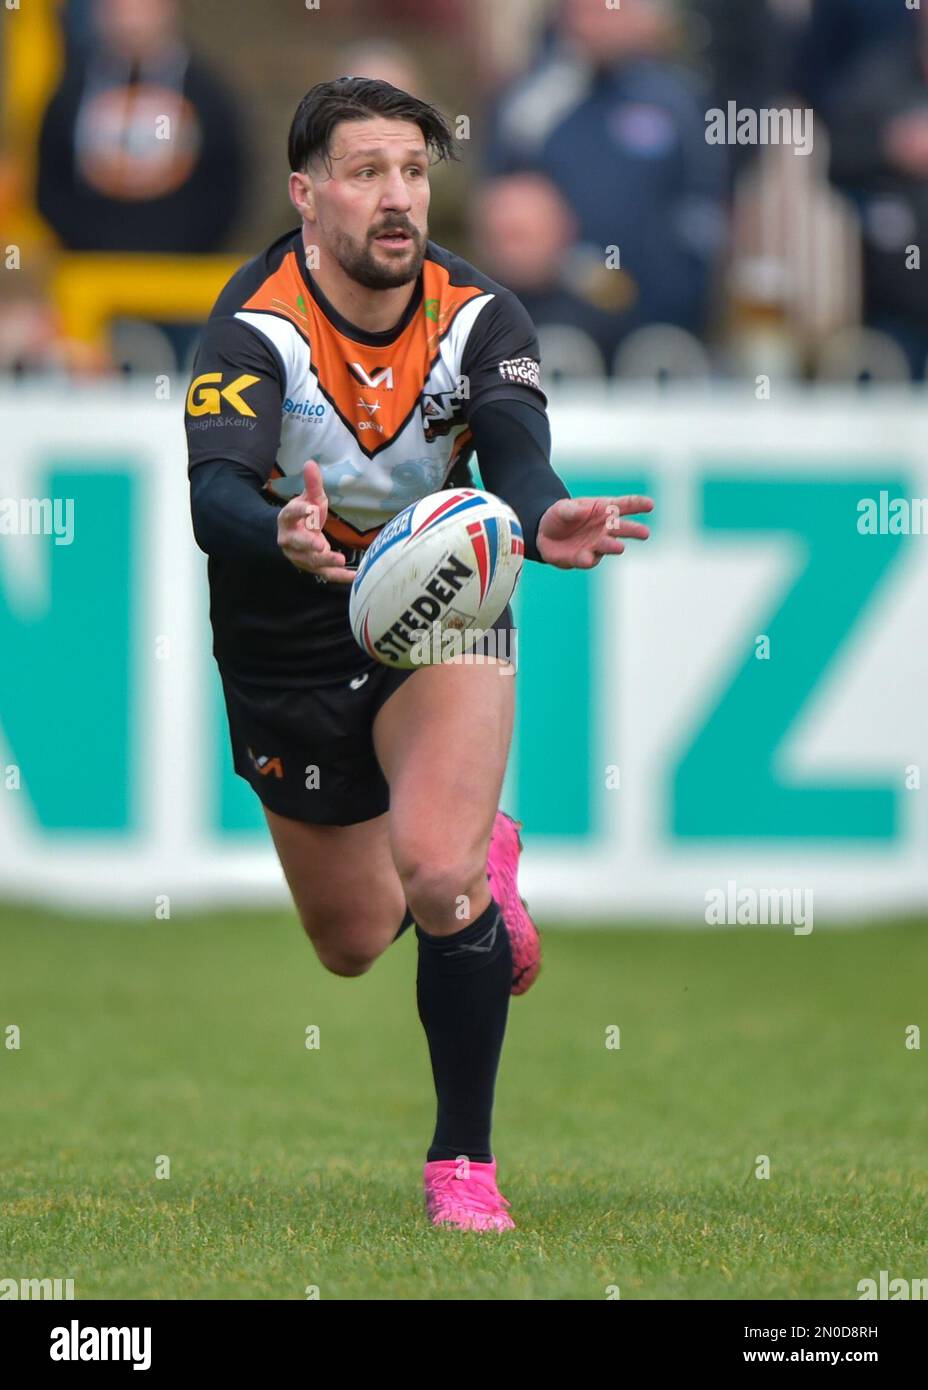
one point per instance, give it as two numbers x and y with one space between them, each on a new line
301 195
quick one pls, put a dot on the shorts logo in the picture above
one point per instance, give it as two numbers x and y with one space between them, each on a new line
357 681
203 399
265 765
523 371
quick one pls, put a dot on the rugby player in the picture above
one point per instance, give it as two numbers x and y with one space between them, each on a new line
351 368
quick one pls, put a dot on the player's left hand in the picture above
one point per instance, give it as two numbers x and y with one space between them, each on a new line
576 532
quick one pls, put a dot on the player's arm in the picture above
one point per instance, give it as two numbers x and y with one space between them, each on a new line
507 414
512 438
232 421
233 435
512 441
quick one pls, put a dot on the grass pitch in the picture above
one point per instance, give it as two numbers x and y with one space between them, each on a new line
293 1168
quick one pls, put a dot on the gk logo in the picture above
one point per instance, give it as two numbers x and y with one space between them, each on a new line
205 400
380 379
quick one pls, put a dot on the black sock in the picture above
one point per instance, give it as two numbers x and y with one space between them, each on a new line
407 922
462 989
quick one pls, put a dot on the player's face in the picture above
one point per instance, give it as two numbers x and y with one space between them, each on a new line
372 210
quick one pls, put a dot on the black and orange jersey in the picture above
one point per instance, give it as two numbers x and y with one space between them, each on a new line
281 377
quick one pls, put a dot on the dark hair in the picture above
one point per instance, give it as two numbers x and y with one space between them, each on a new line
357 99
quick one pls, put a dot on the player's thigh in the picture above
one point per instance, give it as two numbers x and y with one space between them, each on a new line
442 739
345 887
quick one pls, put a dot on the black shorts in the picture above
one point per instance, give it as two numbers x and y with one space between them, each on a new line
309 753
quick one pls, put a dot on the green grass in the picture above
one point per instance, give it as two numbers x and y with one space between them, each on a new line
292 1167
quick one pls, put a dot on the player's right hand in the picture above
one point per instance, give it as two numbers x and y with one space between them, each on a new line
299 531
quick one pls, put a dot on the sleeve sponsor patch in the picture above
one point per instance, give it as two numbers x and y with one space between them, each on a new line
234 403
523 371
208 391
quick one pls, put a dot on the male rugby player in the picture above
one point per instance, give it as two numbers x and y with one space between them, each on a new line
387 362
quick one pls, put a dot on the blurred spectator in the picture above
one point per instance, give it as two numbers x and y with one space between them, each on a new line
31 340
77 23
617 132
382 59
140 148
526 235
526 232
530 229
424 16
839 34
879 156
747 52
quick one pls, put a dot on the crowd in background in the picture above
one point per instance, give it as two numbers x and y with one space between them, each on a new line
587 183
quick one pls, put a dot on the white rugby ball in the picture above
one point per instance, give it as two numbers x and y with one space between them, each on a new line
452 559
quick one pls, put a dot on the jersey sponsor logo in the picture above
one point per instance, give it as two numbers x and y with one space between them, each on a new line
215 422
371 407
206 394
382 380
440 413
523 371
309 411
439 315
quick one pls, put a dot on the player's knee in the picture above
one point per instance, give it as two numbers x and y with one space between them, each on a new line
441 891
347 963
343 944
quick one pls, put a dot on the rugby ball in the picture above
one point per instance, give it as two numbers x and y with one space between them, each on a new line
435 577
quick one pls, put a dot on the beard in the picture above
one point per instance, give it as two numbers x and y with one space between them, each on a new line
359 260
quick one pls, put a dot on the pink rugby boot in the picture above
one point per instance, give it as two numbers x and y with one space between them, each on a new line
502 871
464 1194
